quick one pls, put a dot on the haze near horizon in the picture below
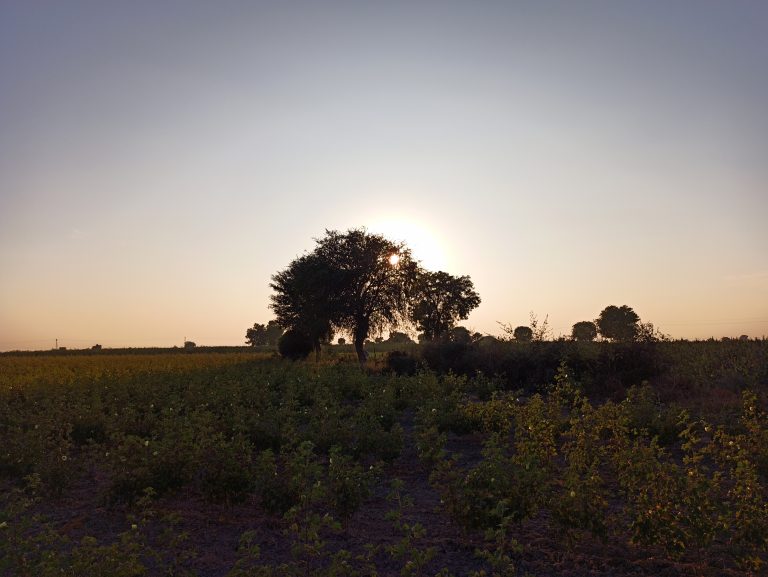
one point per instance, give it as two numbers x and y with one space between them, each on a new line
159 162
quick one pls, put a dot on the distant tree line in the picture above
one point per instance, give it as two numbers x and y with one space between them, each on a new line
615 324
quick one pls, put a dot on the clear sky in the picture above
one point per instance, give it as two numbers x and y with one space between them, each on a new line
160 160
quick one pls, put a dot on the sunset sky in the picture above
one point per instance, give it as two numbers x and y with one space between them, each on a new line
160 160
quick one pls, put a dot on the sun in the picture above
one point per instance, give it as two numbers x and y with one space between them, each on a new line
423 243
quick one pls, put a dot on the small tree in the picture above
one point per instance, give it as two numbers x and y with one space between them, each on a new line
584 331
264 335
396 337
440 300
256 336
523 334
618 323
648 333
460 335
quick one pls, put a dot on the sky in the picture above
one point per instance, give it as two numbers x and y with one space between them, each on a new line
161 160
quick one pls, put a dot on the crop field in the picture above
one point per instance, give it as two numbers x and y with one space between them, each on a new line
542 459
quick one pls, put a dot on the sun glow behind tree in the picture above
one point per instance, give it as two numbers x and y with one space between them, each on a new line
423 242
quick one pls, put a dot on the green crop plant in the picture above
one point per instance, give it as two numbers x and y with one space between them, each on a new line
410 548
500 547
745 503
349 484
580 501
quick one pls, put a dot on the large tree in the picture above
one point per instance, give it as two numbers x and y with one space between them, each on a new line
356 282
374 279
440 300
618 323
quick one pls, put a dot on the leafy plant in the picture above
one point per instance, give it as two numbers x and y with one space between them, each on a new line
409 548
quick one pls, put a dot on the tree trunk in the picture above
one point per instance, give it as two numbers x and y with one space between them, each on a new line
362 356
359 335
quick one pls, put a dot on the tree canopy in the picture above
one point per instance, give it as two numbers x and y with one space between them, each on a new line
584 331
523 334
463 335
618 323
349 283
261 335
440 300
397 337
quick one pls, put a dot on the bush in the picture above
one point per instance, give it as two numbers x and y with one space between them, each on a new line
226 471
645 412
294 345
401 363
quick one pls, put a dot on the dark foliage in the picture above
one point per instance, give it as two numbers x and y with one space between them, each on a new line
401 363
294 345
398 337
440 300
618 323
601 368
264 335
523 334
584 331
348 283
304 298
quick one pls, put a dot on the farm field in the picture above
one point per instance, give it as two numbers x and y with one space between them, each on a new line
542 459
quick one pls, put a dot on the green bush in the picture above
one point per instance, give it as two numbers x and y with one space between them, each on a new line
226 471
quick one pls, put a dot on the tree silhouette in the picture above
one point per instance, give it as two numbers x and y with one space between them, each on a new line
523 334
256 335
460 335
350 283
648 333
618 323
303 299
371 291
584 331
396 337
440 300
264 335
